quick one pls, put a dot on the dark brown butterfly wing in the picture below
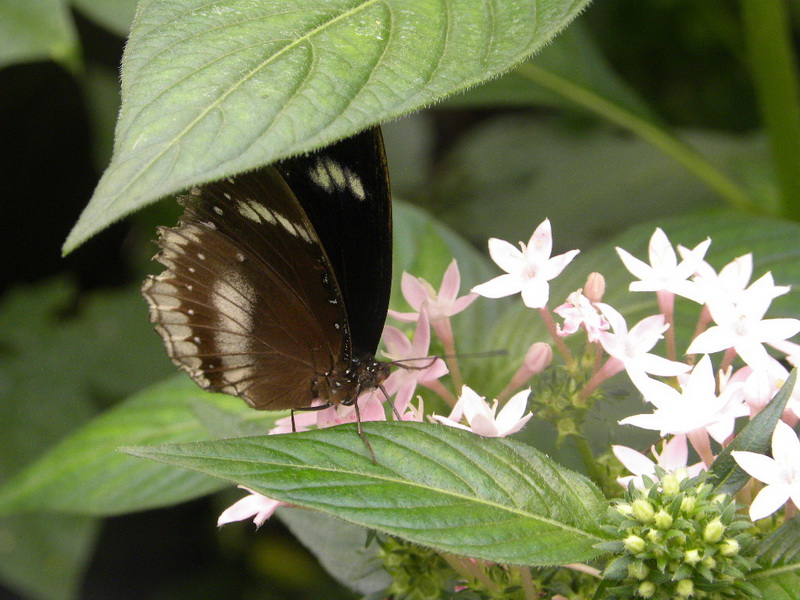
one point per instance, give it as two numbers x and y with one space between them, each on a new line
344 190
249 304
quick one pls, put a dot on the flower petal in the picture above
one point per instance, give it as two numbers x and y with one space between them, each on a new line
499 287
507 257
770 499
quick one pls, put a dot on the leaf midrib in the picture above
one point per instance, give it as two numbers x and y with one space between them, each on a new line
378 478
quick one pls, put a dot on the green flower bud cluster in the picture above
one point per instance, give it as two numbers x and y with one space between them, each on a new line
418 573
677 538
555 397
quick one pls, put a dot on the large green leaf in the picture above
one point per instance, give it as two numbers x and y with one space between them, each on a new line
210 91
40 30
756 436
779 554
493 499
572 57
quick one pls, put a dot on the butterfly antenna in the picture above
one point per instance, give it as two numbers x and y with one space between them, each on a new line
363 435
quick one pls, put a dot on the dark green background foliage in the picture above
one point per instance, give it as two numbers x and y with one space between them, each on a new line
640 113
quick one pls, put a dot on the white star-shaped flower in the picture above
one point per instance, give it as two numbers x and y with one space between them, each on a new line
578 311
695 407
632 347
781 473
483 419
255 506
673 456
528 270
740 323
664 273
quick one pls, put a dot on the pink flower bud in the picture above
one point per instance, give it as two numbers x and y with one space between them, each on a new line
595 287
538 357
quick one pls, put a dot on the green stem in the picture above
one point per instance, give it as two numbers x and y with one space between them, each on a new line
647 130
589 461
470 570
774 70
527 583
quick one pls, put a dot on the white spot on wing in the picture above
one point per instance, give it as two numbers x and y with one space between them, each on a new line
246 210
320 176
336 172
332 176
235 301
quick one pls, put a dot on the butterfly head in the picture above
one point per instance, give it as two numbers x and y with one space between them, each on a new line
345 386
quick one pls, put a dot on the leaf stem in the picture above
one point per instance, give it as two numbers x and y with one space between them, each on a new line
768 40
651 132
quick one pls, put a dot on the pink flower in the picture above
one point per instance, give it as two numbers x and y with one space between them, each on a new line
781 473
674 456
414 414
740 323
483 419
631 348
370 405
303 420
415 366
419 293
664 273
257 506
578 311
528 270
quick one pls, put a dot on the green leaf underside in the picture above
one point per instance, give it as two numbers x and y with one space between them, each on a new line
212 90
755 437
449 489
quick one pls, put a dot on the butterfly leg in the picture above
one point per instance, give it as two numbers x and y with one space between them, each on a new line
389 400
362 434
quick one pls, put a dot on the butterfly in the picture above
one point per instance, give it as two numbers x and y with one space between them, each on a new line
277 281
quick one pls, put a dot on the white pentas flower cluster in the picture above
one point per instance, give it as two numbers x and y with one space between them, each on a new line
732 321
699 402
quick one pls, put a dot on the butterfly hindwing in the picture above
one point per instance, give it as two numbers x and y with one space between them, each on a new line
248 305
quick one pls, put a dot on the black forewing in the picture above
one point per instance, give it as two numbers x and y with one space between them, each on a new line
344 189
248 304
